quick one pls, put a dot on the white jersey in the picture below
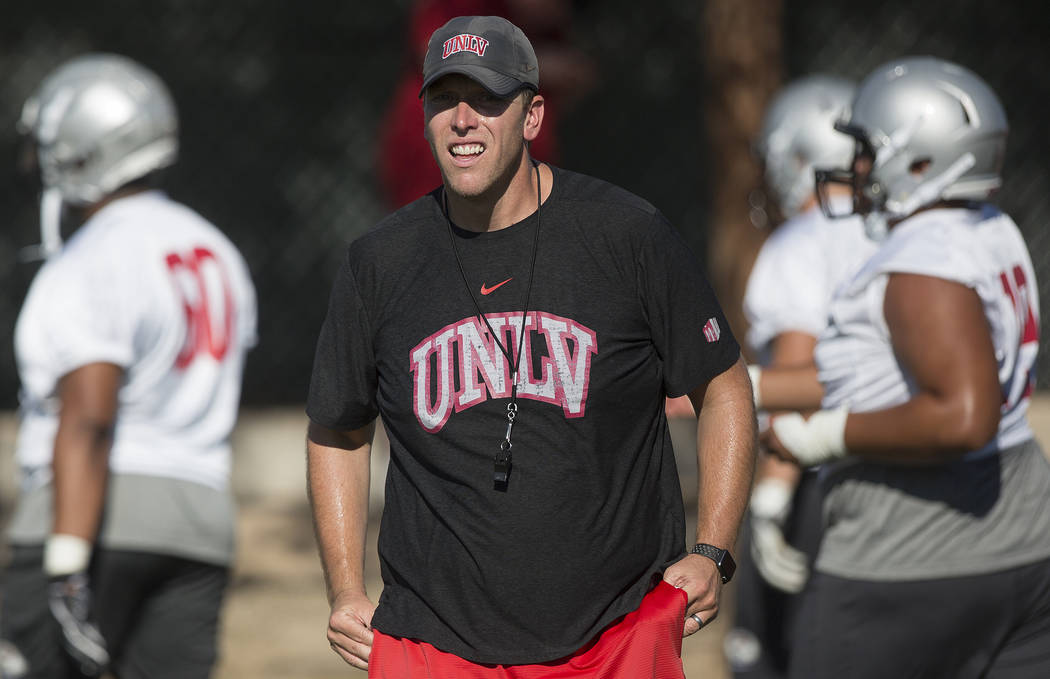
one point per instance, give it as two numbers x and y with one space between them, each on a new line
149 285
979 248
796 272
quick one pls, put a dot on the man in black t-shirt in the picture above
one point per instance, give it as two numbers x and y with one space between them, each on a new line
518 330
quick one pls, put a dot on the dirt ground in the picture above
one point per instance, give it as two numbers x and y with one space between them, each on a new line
275 615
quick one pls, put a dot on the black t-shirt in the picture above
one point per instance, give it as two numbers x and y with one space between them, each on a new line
619 316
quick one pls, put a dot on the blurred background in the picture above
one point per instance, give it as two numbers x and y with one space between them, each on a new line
288 111
301 129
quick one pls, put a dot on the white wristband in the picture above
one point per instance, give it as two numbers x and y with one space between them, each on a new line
65 554
754 371
819 439
771 499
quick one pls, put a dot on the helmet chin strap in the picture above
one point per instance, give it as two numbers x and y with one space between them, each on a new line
876 226
50 227
51 221
931 190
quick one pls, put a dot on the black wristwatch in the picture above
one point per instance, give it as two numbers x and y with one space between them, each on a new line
722 558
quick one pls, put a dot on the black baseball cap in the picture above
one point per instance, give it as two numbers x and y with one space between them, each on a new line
488 49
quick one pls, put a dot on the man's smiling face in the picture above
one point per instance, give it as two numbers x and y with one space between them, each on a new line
477 137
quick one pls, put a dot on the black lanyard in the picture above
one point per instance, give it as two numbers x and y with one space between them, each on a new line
502 460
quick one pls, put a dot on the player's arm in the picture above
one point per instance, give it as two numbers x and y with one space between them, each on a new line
942 340
778 562
88 402
792 384
88 413
790 381
338 473
795 388
725 449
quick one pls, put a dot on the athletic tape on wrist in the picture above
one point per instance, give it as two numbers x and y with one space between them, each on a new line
65 554
771 499
754 371
819 439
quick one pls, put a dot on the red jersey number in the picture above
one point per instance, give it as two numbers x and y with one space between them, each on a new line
204 291
1015 285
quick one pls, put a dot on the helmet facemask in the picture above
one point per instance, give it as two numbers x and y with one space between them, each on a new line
869 196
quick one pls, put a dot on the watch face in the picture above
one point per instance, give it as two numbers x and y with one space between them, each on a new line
727 567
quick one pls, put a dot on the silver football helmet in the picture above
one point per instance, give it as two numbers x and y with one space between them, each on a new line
931 130
798 135
98 122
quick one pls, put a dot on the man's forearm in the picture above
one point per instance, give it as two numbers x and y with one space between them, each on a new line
725 447
338 473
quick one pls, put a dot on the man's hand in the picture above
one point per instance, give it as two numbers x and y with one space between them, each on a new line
350 628
702 582
69 598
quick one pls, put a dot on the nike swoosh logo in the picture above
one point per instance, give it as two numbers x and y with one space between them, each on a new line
485 290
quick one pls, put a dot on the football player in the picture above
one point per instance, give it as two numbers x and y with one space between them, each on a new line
935 555
786 303
130 347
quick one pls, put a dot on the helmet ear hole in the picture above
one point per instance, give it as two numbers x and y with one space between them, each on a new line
919 166
80 162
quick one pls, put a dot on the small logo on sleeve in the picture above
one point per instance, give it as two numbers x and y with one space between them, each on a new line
711 330
464 42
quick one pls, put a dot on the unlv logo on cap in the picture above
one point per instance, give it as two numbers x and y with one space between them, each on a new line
464 42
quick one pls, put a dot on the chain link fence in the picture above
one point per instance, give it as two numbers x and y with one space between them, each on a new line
282 104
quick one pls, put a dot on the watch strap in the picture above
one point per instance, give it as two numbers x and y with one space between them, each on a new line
723 560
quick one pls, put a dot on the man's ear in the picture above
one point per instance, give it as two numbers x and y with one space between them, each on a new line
533 118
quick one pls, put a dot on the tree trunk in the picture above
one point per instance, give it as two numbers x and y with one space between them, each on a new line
741 50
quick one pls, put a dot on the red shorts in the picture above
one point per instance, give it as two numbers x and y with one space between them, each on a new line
644 644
